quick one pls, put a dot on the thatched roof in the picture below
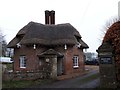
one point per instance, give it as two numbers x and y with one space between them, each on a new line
25 29
36 33
13 42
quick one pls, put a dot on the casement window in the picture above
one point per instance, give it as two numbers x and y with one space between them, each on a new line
22 61
75 62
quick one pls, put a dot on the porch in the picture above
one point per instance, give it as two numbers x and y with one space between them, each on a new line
52 63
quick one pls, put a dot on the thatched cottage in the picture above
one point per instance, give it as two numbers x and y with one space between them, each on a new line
58 49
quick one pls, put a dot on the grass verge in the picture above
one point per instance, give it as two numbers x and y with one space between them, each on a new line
24 83
89 78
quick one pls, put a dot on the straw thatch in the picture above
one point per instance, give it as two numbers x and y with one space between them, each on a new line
36 33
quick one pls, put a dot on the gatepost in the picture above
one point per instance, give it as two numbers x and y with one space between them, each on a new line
107 66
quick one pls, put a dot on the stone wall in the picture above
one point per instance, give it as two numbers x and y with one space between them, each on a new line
29 75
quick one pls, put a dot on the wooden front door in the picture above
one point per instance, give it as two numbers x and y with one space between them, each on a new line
60 68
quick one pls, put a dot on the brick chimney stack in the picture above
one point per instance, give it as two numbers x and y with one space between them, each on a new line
46 17
49 17
52 17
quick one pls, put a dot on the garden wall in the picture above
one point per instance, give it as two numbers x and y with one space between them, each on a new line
29 75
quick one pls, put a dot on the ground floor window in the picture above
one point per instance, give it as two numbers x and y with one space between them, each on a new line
22 61
75 62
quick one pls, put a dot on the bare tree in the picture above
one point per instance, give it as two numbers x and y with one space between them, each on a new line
107 25
3 44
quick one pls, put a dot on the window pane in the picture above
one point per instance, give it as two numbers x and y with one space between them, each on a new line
22 61
75 61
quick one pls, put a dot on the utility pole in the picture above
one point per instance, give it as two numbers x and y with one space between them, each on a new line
119 9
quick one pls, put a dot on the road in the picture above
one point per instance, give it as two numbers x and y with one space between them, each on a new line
89 80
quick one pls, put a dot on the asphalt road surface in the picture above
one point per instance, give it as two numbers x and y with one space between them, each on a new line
89 80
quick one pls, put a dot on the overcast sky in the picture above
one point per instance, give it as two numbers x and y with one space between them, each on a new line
87 16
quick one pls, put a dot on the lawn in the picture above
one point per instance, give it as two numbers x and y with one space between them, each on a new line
24 83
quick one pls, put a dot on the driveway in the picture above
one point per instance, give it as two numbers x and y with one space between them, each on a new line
89 80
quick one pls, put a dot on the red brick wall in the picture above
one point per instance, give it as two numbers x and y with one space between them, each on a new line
33 60
70 52
31 55
68 59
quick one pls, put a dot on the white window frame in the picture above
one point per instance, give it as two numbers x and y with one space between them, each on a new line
75 61
22 61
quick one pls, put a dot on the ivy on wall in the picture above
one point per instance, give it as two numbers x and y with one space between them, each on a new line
113 37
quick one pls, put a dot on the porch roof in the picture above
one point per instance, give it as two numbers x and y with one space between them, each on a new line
50 52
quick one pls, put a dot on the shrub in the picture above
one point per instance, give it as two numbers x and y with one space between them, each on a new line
113 36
